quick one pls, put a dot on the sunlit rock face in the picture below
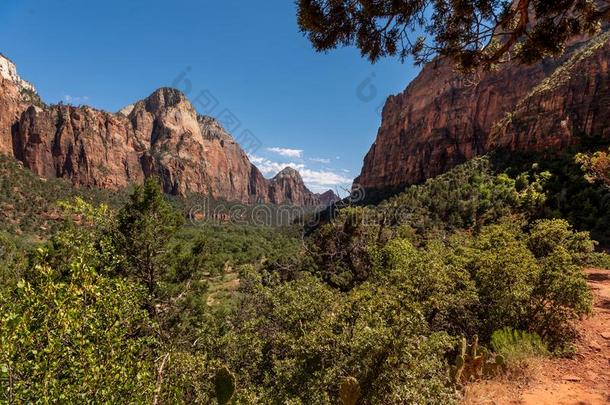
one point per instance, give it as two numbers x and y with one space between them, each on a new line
443 118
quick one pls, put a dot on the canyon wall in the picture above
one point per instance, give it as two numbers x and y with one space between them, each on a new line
444 118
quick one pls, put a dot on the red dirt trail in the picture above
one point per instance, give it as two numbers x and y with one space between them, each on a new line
582 380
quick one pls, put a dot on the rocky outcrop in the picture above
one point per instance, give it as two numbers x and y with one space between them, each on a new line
443 118
328 198
8 71
161 135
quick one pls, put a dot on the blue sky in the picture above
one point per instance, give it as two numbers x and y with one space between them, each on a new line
318 112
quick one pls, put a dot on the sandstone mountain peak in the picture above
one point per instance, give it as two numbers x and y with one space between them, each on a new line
164 98
289 182
288 172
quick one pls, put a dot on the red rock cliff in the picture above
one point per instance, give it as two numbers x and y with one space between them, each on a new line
443 119
161 135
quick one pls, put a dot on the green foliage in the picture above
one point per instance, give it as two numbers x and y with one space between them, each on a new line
600 260
547 236
13 260
523 284
517 346
569 195
210 249
302 337
480 34
69 331
468 197
61 340
188 378
225 385
505 272
435 278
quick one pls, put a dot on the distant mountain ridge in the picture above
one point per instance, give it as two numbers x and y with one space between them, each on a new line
161 135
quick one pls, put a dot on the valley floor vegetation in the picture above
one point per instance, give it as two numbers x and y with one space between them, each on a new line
127 302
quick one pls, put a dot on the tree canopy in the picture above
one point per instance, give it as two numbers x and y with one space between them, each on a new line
474 34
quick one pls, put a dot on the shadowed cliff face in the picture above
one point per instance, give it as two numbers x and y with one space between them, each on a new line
161 135
443 119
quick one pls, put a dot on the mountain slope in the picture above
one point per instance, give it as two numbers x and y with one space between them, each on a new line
29 204
443 119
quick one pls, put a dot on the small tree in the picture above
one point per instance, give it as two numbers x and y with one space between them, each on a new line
145 226
596 167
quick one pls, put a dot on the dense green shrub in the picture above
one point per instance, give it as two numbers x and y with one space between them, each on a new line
600 260
547 236
296 341
434 278
469 196
70 332
505 273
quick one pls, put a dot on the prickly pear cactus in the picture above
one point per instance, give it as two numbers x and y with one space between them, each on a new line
349 391
456 371
474 363
225 385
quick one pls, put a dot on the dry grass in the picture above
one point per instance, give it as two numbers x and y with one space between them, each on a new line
504 389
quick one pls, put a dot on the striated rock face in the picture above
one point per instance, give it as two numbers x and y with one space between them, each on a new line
89 147
443 119
161 135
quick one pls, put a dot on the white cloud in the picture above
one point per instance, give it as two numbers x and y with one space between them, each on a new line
323 178
270 168
75 99
316 180
320 160
291 153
